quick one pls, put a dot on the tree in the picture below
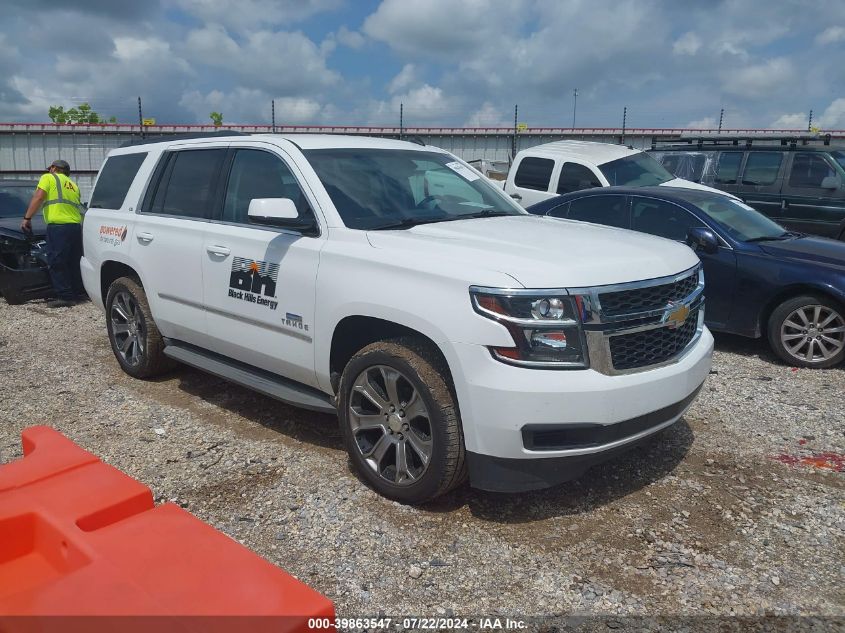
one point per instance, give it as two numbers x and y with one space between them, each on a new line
81 114
216 118
57 114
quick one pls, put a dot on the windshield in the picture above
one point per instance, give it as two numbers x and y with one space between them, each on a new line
636 170
739 220
839 157
379 189
14 200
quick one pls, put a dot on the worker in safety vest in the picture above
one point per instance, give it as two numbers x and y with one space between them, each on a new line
58 195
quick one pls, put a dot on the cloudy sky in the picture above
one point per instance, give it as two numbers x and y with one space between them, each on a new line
450 62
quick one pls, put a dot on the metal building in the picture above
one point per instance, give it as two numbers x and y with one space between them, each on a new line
26 148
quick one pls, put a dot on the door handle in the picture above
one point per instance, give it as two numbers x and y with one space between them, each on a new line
516 196
143 236
222 251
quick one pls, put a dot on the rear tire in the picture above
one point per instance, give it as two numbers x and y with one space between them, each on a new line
400 422
808 331
135 340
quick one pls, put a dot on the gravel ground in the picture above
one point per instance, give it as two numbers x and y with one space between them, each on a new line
735 510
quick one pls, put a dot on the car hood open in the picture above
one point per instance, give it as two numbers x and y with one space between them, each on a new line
11 227
539 252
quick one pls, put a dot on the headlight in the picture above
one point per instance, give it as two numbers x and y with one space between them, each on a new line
546 327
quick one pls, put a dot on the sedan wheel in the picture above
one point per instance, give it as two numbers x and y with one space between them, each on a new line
808 332
813 333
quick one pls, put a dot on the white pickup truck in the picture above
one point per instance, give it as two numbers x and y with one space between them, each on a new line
552 169
388 283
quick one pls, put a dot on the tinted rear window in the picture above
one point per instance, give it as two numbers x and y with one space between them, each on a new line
607 210
728 168
762 168
534 173
116 177
188 184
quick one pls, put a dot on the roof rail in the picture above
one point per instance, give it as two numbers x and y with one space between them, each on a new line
182 137
716 140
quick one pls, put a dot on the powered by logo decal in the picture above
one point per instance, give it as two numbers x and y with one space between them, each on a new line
254 281
113 235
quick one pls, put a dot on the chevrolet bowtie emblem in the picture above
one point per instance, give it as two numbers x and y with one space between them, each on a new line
675 316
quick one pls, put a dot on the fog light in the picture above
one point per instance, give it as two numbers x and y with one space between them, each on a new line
554 340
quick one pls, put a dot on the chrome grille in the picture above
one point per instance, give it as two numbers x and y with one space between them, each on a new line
650 347
644 299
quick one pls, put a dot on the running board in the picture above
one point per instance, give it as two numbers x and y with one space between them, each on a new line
265 382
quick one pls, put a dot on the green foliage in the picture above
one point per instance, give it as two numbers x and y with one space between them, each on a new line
216 118
81 114
57 114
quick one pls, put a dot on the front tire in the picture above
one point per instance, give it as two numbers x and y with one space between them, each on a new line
135 340
808 332
400 422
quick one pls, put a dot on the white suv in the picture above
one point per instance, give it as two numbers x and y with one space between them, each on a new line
545 171
452 333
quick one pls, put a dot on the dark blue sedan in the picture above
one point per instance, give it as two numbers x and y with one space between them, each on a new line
762 280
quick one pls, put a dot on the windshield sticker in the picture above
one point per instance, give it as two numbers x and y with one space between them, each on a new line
254 281
462 170
112 235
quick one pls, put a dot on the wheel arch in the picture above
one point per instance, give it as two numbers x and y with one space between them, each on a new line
354 332
110 270
795 290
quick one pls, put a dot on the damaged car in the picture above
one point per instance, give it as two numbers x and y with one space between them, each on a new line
23 256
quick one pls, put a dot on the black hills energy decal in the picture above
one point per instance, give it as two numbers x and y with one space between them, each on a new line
254 281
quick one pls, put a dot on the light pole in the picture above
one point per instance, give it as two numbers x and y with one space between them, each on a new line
574 105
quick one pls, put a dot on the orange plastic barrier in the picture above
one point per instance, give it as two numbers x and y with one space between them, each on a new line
80 538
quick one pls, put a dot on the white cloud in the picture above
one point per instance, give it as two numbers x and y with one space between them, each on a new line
425 104
831 35
249 106
249 14
488 116
707 123
688 44
403 79
351 39
765 80
277 61
796 121
831 118
444 29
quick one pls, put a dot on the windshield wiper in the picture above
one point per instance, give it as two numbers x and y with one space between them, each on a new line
774 238
407 223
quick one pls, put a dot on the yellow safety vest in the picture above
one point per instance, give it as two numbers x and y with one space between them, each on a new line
62 205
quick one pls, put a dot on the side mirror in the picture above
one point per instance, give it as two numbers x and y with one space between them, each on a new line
280 212
702 238
830 182
271 210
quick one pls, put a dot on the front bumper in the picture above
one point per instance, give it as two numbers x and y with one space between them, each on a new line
581 415
24 284
502 474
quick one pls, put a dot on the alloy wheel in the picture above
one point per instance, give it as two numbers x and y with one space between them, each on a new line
390 424
127 326
813 333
